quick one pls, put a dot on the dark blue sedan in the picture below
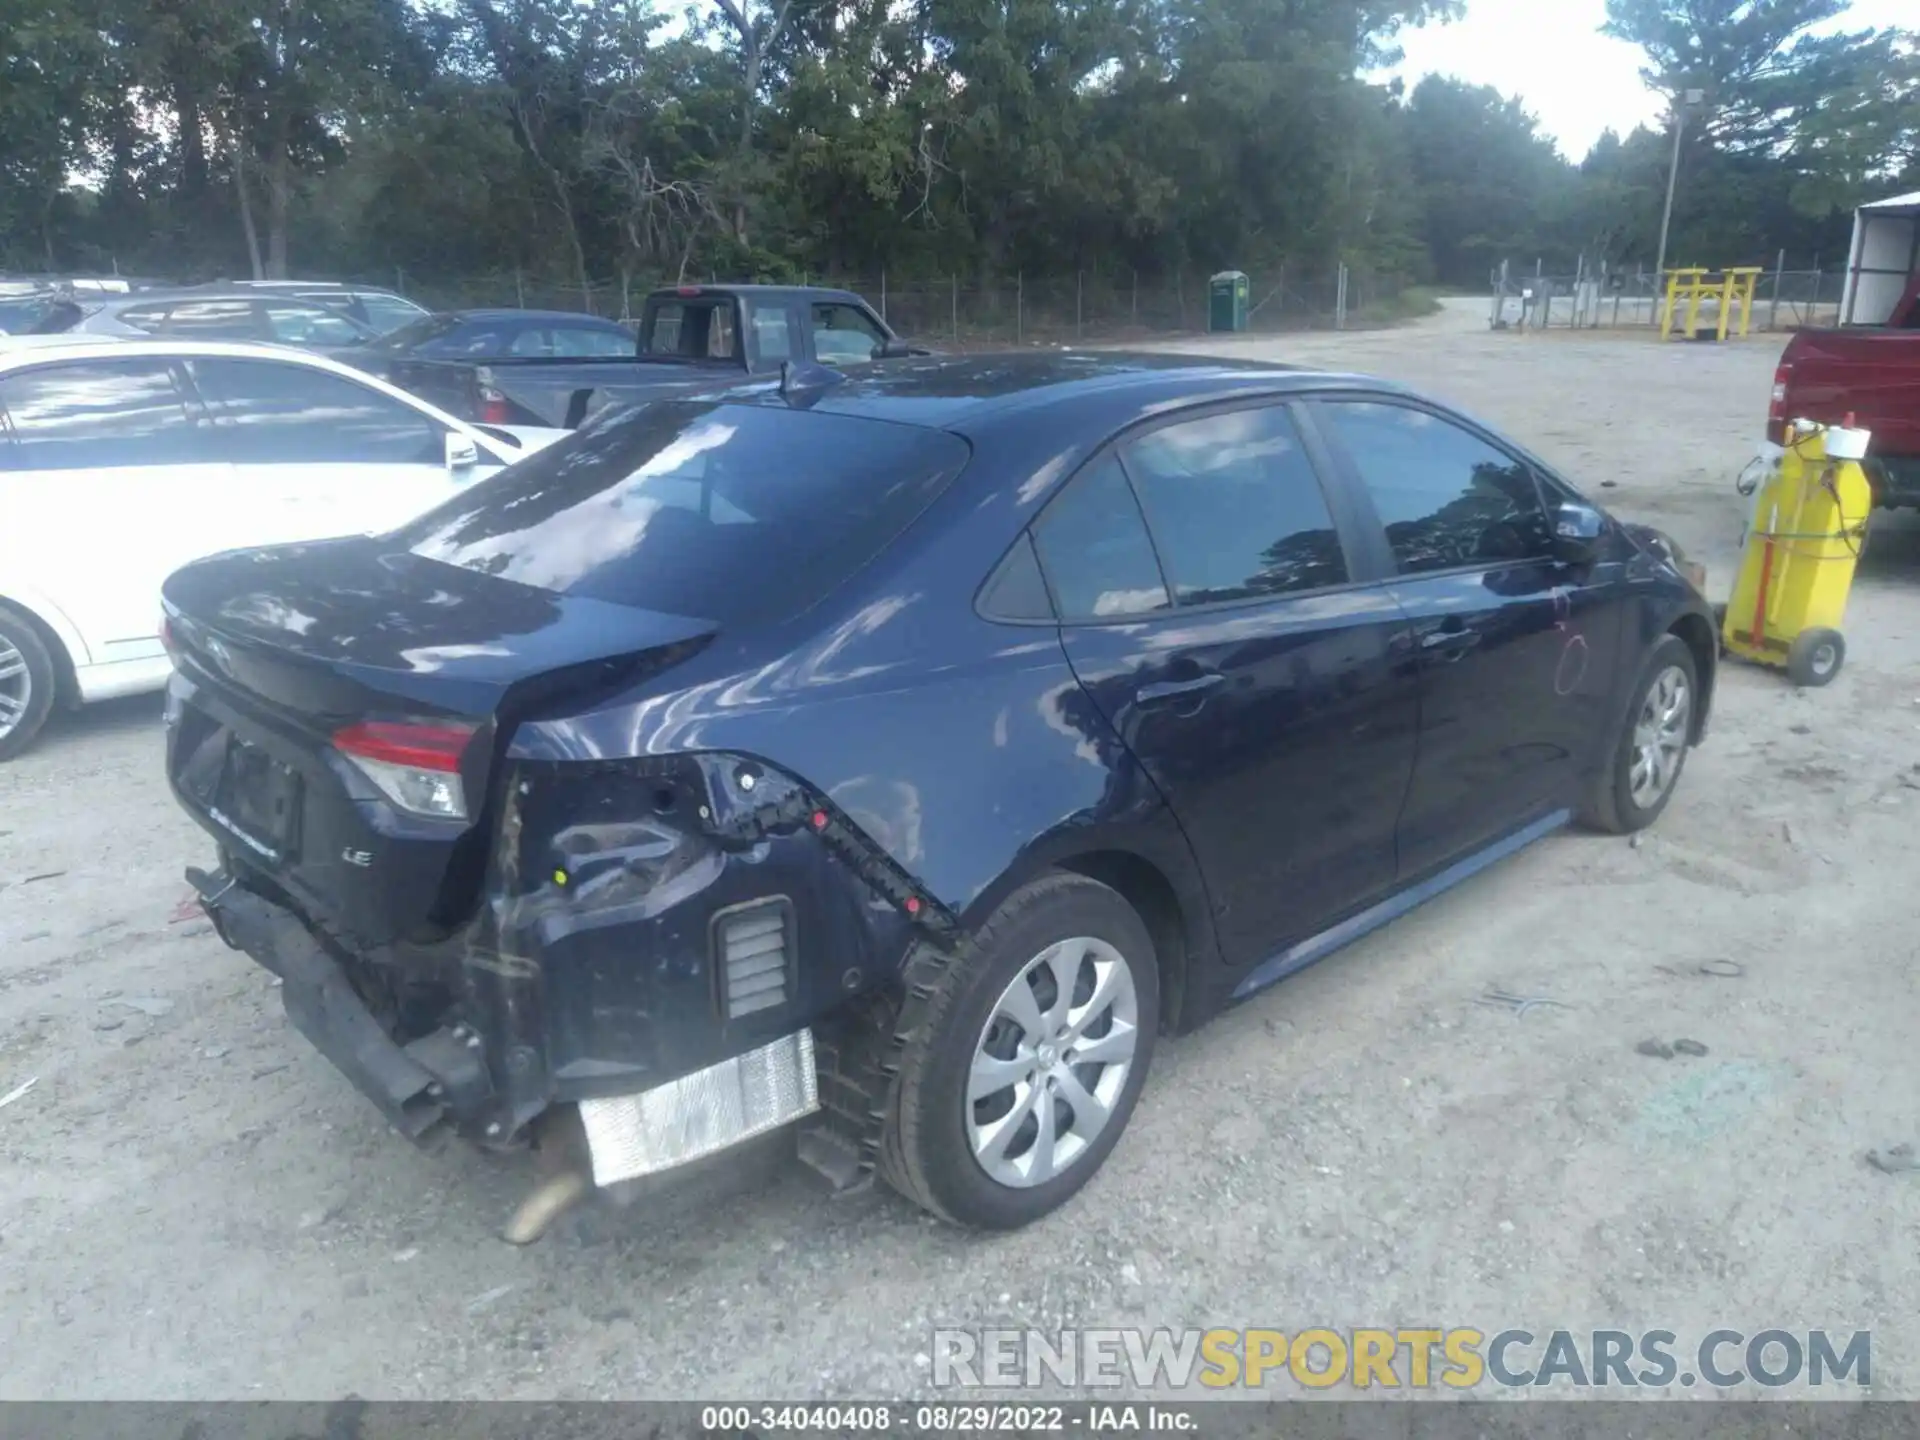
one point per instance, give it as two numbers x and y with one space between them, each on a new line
900 755
499 334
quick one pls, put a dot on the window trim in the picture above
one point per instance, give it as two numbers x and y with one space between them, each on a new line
1373 527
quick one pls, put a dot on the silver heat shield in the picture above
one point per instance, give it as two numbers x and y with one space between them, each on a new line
633 1135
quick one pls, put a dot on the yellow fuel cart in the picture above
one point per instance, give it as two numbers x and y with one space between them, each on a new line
1808 527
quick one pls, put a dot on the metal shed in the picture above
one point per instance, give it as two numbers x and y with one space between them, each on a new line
1883 261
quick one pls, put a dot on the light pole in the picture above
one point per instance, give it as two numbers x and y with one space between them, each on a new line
1682 101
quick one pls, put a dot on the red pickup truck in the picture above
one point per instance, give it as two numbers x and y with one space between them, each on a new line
1871 372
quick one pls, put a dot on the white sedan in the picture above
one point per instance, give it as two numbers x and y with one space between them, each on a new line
122 460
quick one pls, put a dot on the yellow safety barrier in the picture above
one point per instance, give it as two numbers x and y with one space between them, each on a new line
1809 524
1695 286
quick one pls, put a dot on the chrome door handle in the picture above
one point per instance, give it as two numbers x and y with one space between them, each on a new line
1165 690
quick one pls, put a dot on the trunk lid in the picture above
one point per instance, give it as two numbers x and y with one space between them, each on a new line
280 651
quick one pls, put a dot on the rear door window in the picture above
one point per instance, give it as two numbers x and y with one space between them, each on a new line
729 513
96 414
1447 498
1236 507
773 333
275 413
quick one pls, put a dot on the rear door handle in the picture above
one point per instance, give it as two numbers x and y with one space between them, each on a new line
1450 641
1165 690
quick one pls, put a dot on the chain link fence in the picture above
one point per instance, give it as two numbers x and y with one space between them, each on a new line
985 312
1619 299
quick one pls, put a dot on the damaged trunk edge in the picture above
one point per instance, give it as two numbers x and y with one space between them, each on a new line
679 944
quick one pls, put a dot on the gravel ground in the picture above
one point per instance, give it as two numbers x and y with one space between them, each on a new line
193 1205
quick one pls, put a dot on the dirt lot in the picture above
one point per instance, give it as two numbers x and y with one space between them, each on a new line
192 1204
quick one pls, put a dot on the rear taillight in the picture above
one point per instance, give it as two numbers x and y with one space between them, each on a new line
1777 408
493 401
416 766
166 637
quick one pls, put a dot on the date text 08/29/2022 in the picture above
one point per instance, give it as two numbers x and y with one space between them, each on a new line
948 1419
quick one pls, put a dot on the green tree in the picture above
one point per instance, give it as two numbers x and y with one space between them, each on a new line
1489 183
1798 122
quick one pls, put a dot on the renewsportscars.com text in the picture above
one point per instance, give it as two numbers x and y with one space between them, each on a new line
1459 1358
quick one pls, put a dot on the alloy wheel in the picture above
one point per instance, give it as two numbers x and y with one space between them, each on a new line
16 686
1660 737
1052 1061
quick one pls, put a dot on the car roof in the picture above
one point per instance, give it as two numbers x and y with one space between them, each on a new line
967 392
173 293
507 312
762 292
78 339
18 349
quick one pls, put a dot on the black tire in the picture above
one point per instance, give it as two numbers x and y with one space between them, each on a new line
1815 657
925 1152
18 635
1611 806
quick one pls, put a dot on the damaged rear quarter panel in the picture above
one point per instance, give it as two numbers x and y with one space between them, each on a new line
965 751
607 883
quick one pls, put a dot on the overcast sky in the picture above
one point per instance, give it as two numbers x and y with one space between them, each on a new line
1552 54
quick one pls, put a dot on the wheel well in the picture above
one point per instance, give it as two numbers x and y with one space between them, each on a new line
1141 884
1698 637
66 683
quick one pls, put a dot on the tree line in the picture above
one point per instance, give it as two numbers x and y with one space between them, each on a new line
577 139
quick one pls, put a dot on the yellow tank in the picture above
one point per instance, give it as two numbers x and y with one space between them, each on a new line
1809 524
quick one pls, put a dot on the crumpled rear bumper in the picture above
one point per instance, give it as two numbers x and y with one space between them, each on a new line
443 1076
417 1085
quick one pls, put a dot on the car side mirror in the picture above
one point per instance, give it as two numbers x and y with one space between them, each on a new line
893 350
1577 532
462 453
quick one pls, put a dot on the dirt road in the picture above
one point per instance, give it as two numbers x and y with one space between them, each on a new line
192 1204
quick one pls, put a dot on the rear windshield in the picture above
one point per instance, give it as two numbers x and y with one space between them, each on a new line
728 513
417 333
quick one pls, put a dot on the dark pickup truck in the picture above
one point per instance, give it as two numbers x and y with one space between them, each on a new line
1871 372
688 337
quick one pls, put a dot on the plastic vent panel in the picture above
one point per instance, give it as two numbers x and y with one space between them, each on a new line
753 955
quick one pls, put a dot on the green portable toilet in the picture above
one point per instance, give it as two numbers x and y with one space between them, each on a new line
1227 297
